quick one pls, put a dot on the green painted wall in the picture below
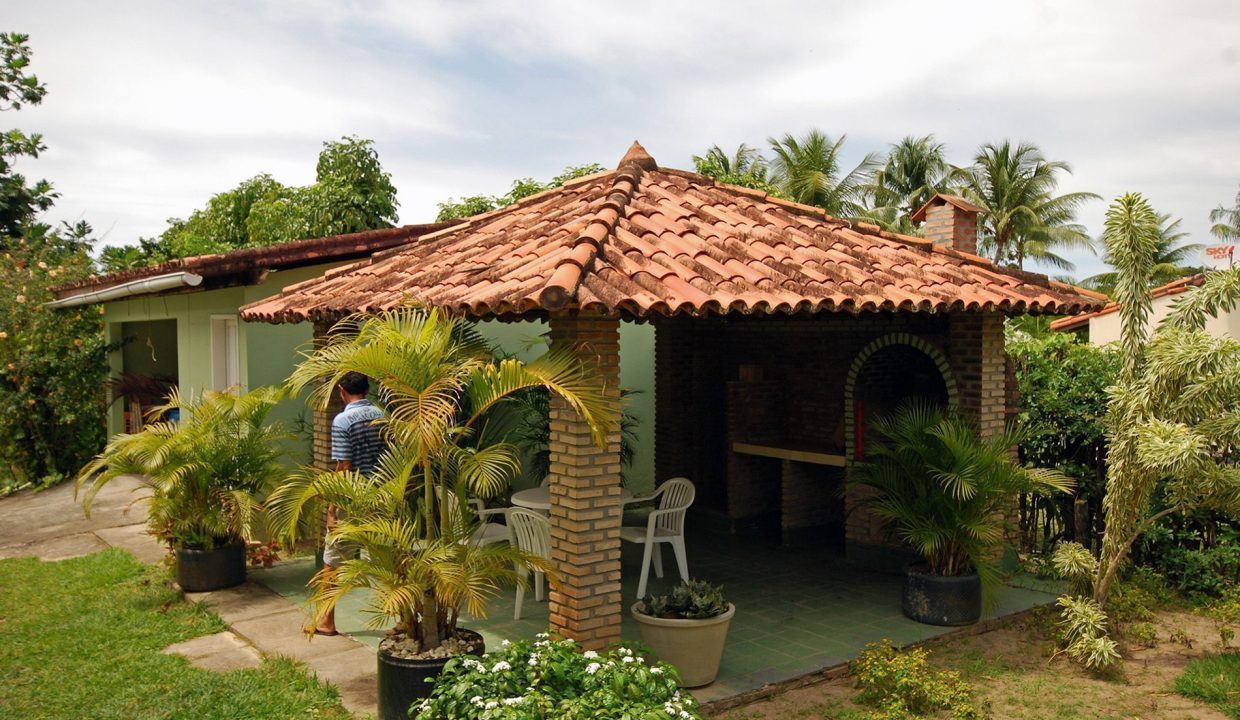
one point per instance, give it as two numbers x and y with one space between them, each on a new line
269 352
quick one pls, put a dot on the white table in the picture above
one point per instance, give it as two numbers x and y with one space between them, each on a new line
539 498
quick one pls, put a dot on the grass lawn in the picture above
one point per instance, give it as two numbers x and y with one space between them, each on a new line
82 638
1214 679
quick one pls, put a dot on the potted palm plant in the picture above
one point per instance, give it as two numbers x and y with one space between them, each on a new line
444 390
687 628
207 475
945 491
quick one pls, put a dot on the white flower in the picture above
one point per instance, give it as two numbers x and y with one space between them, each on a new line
533 662
684 714
491 705
542 635
592 668
513 700
626 659
501 666
589 654
669 709
505 643
476 700
656 671
21 299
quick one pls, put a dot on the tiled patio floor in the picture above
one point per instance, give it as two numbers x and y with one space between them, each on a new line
797 610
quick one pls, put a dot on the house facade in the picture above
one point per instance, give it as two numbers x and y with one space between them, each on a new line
1103 326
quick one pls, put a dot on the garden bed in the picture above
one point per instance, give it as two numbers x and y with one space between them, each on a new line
1013 675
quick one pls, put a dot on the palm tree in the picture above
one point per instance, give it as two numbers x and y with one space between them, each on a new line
807 170
1170 258
444 391
206 473
1226 221
914 171
1022 216
943 489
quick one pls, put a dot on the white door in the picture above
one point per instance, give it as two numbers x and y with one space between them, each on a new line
225 352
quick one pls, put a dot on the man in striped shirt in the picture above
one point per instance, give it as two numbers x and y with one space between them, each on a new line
357 444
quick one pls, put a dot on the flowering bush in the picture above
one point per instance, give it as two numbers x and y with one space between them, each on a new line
552 679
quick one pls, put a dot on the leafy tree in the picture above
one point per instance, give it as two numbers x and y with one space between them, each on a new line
20 202
745 167
1172 417
807 170
52 364
915 169
1063 399
1022 216
1226 221
452 208
351 192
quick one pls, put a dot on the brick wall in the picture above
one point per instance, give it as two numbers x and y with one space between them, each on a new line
585 484
980 363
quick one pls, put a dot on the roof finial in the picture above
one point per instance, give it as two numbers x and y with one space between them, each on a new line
638 156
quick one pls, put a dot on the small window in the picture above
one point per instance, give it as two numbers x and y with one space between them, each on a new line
225 352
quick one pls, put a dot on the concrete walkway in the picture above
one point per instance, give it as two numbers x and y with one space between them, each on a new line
49 525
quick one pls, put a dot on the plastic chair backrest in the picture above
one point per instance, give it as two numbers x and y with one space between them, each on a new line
675 494
529 531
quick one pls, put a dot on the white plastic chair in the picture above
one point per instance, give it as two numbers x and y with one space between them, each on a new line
531 532
487 532
666 524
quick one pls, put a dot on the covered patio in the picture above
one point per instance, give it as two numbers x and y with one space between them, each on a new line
802 609
780 333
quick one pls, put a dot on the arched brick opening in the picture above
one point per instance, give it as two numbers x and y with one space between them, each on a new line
920 358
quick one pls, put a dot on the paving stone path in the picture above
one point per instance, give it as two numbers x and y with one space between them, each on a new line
49 525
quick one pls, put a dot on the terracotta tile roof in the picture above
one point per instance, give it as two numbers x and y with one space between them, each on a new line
332 248
1175 287
644 240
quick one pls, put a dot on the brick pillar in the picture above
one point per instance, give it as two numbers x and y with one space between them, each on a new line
585 494
980 362
321 419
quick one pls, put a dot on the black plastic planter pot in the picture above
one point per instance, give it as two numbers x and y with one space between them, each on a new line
942 599
223 566
403 682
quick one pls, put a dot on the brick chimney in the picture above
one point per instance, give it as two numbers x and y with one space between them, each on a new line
949 221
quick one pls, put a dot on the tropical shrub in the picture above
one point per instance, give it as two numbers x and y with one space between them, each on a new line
691 599
207 474
442 385
1063 399
1084 631
944 490
1172 423
552 678
902 685
1190 560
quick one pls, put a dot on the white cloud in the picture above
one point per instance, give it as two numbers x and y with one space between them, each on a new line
153 107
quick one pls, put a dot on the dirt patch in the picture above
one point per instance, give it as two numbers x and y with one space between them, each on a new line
1014 672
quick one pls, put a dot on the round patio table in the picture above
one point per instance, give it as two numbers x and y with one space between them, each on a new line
539 498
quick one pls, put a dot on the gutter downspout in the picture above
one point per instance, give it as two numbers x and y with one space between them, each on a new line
159 283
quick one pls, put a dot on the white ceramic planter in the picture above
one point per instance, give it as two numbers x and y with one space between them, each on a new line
693 647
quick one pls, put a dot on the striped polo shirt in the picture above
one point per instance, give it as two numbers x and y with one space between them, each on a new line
356 436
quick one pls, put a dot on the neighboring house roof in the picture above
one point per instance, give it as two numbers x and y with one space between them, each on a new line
245 266
1175 287
645 240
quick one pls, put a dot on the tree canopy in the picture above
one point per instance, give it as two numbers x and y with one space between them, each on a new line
351 192
452 208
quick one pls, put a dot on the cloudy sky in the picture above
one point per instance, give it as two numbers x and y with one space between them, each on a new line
153 107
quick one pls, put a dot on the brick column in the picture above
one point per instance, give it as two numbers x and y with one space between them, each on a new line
321 419
979 361
585 494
